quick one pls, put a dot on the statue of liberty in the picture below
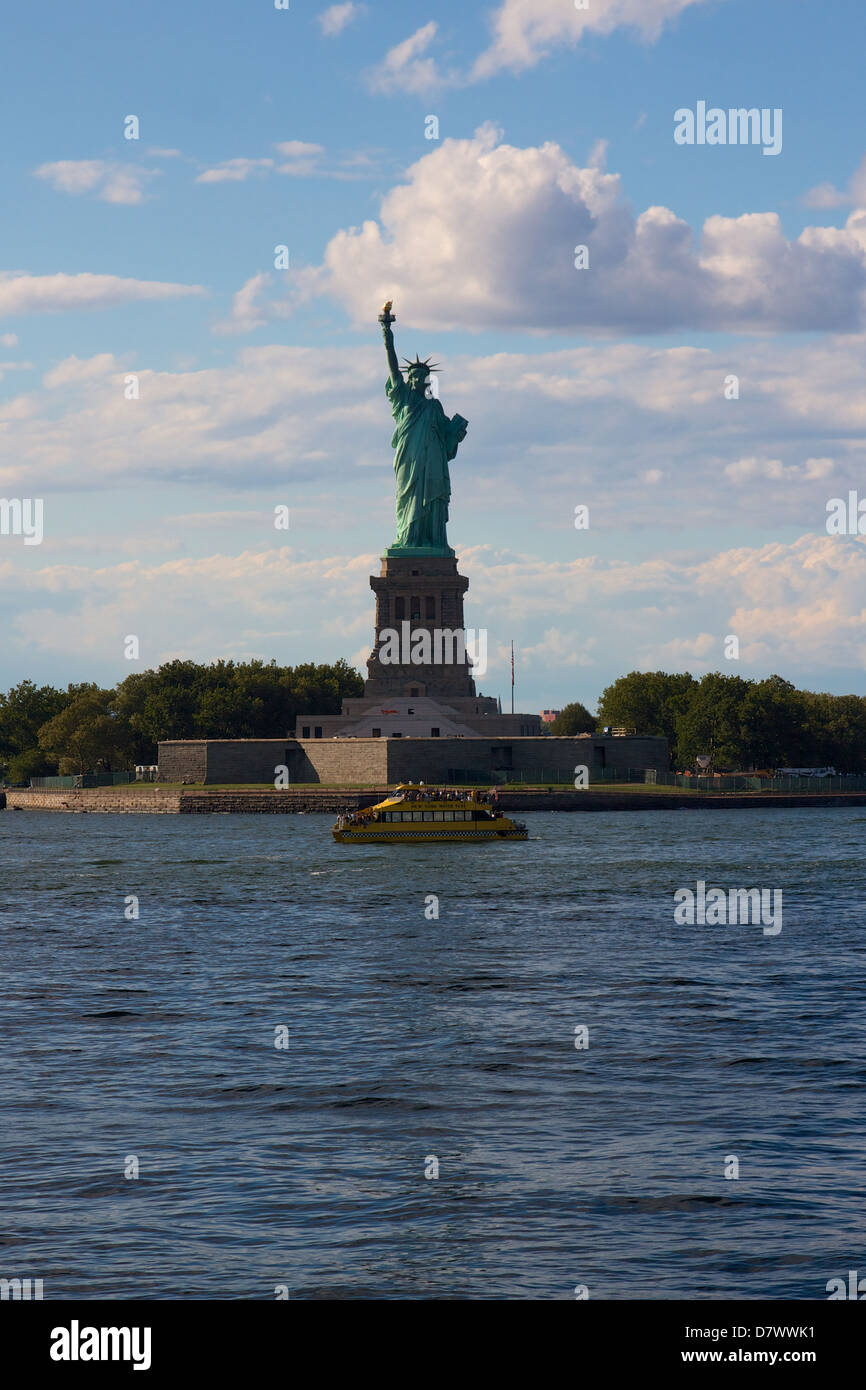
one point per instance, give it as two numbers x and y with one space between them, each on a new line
425 440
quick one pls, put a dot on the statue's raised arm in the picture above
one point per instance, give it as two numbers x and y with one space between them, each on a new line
386 318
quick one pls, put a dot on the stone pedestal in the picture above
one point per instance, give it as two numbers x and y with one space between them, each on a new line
426 592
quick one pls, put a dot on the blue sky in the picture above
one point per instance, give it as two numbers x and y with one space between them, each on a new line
261 127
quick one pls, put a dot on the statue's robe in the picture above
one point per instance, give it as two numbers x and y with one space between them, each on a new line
424 442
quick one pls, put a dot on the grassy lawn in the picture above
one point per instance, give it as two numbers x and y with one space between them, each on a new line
648 787
154 788
593 787
253 787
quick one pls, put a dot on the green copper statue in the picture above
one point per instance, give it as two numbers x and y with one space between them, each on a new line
424 440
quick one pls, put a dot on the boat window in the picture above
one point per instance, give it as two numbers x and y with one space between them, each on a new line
417 815
429 815
438 815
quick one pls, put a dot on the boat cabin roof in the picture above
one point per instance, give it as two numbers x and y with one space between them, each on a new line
409 793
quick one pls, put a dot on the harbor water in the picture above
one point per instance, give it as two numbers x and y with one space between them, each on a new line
243 1061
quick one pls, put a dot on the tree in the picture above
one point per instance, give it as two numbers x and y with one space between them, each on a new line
774 725
225 699
573 719
837 726
23 711
711 722
322 689
88 733
159 705
32 763
652 702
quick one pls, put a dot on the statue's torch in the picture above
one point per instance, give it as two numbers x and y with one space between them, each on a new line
386 318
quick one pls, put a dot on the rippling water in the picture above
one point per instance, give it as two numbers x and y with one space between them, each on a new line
412 1039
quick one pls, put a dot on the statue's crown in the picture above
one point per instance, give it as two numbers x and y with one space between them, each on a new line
420 366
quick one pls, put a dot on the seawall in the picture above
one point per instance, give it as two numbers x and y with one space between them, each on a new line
155 801
152 802
589 800
271 802
311 800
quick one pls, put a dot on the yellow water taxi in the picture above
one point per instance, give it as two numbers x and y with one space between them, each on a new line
419 814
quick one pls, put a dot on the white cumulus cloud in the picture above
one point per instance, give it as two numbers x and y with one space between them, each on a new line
28 294
111 181
406 67
483 235
246 314
235 170
523 32
334 19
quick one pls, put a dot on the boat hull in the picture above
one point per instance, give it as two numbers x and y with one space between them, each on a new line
387 835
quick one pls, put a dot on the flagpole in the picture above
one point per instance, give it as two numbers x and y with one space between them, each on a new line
512 675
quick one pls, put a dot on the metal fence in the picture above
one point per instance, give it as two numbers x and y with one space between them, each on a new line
734 782
87 779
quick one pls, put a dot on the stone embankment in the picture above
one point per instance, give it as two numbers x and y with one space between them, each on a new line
270 802
154 800
589 800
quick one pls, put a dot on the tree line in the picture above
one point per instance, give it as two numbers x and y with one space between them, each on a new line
86 728
739 723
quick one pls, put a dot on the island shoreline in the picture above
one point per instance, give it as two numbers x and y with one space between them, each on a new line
154 800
